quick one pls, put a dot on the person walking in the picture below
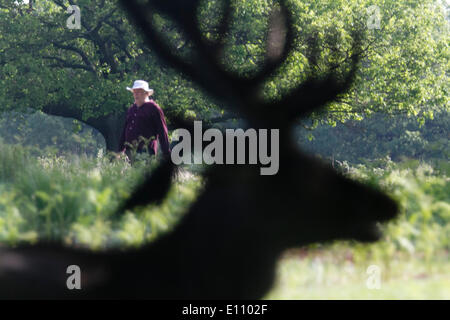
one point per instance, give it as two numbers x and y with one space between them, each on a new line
145 124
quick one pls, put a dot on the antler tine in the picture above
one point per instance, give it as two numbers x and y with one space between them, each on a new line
241 89
210 75
313 94
246 86
154 189
269 66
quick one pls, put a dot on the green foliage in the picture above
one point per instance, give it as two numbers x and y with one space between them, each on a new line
404 67
378 137
424 197
73 199
44 63
45 135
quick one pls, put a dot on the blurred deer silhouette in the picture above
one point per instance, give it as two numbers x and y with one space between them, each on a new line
228 242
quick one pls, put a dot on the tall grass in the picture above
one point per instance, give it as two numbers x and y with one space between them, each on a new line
73 200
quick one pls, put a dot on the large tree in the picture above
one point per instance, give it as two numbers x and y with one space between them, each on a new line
82 73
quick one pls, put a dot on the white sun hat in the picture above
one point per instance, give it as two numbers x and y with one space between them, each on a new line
141 84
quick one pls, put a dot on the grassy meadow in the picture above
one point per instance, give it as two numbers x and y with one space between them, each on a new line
73 199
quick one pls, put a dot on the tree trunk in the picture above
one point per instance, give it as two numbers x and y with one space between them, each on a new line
110 126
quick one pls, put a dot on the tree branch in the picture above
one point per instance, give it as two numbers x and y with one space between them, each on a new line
83 56
66 64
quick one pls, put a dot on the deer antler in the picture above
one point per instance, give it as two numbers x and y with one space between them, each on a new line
212 76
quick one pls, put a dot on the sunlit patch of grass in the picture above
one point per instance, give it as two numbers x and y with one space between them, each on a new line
321 276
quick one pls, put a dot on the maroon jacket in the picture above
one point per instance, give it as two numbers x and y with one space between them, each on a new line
147 121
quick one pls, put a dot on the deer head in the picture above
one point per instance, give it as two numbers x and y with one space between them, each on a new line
241 212
325 204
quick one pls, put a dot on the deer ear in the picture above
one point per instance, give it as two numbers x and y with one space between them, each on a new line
154 189
155 186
